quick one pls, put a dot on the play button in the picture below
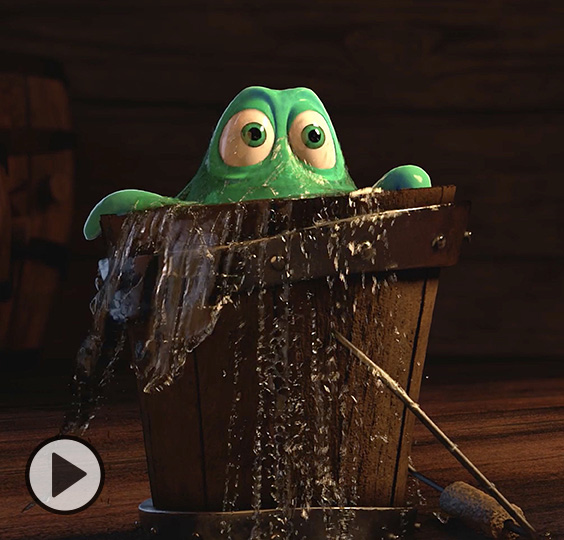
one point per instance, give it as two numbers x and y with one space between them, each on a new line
64 474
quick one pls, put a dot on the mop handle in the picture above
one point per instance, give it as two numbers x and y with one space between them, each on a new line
439 434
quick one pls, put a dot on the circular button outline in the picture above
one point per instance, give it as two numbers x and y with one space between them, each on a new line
42 445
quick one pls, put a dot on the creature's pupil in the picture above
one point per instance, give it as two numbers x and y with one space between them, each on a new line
314 135
255 134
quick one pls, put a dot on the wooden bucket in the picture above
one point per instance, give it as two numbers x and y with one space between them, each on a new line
392 262
36 198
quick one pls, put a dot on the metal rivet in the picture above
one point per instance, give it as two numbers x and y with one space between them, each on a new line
153 530
367 251
196 535
468 236
277 262
439 242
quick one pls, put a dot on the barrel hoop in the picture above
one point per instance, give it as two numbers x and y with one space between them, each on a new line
32 65
50 253
19 360
3 157
36 141
5 291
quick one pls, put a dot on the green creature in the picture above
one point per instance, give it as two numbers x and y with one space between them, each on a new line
267 144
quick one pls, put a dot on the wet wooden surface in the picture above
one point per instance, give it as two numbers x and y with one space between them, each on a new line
508 417
205 392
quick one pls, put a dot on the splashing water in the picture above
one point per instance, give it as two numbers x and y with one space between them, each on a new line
184 305
303 452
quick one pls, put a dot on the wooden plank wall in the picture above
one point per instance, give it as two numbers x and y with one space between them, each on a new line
470 90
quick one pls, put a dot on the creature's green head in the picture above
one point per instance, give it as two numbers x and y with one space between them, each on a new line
267 144
271 143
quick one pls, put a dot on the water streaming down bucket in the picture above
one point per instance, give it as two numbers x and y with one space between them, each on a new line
291 411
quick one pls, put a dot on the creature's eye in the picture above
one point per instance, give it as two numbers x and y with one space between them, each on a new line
253 134
310 139
247 138
313 136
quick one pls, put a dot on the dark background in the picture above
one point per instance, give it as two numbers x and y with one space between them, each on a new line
472 91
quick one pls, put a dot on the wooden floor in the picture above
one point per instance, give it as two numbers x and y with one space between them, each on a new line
507 416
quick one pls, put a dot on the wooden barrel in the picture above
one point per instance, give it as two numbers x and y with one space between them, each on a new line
5 251
393 244
37 143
